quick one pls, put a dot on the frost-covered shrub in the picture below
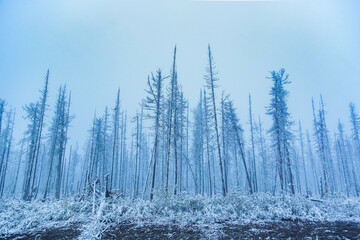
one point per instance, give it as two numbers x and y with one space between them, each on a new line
17 216
20 216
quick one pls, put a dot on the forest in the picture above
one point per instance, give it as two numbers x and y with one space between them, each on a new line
172 162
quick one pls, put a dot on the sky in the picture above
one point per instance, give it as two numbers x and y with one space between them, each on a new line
95 47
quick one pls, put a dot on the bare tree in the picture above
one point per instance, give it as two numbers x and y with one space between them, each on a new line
115 143
36 113
211 80
253 159
153 103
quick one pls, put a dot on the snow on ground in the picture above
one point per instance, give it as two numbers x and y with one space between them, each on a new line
18 217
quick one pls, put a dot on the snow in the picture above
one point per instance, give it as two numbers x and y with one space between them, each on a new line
17 216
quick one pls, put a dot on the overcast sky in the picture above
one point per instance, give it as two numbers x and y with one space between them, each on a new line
97 46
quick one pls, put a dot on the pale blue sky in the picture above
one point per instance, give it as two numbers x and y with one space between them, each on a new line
97 46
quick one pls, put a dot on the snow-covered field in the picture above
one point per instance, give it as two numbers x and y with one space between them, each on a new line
18 217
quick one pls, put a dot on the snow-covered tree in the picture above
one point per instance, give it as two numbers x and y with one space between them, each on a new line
281 128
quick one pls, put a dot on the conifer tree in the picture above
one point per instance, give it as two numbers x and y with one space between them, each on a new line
280 130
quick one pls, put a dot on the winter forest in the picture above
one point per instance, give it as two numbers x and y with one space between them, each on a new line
170 148
206 154
186 119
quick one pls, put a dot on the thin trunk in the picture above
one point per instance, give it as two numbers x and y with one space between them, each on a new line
303 157
253 162
18 169
212 88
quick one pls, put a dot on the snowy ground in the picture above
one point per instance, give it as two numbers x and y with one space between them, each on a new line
200 216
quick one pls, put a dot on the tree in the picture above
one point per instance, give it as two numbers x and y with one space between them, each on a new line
2 108
261 142
176 137
224 133
323 149
198 145
64 117
58 138
281 128
240 142
312 162
115 143
207 125
211 80
253 160
342 158
355 127
6 149
35 113
54 135
105 144
303 157
173 83
138 120
123 155
18 168
152 103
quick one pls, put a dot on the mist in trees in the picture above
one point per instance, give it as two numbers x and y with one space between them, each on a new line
169 147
